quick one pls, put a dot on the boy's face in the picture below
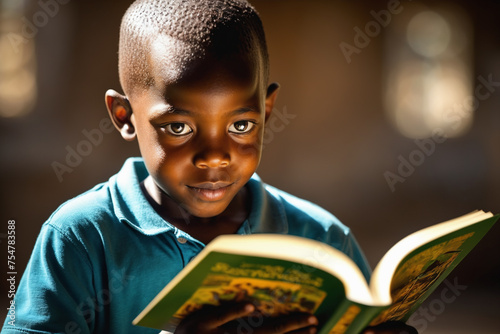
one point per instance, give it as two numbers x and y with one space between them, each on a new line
200 131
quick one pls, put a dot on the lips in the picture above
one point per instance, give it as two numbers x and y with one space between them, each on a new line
210 191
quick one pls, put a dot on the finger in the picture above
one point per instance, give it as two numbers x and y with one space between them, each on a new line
217 317
307 330
391 327
293 323
409 330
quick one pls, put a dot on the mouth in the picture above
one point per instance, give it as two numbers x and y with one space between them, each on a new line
210 191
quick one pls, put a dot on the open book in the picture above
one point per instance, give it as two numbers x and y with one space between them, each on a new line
282 273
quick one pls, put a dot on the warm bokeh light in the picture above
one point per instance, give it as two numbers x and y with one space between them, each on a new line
18 89
429 81
428 34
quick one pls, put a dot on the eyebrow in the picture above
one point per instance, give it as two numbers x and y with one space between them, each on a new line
171 110
158 112
245 110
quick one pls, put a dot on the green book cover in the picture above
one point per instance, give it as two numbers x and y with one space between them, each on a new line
274 286
282 274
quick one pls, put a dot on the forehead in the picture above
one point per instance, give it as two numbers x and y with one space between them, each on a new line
172 61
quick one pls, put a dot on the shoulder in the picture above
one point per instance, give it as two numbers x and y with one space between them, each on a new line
83 212
79 228
306 219
302 216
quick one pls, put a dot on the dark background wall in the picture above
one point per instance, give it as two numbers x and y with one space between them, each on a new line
334 151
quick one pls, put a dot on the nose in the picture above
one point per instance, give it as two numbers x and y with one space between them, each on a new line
212 153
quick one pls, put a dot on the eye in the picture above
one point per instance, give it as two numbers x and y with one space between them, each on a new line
178 129
241 127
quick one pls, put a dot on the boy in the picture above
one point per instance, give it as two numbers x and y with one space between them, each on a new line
195 75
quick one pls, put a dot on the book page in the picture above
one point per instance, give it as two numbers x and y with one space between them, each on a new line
424 268
417 275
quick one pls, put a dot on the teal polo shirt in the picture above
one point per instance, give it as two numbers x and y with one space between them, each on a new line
102 256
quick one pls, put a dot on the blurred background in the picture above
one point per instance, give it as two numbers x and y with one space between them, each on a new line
388 117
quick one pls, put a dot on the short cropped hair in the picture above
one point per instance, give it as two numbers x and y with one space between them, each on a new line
196 27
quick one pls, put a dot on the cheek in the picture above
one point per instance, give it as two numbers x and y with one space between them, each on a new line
150 145
248 154
172 162
170 168
164 162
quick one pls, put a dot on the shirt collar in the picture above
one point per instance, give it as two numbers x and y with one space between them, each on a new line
130 204
267 213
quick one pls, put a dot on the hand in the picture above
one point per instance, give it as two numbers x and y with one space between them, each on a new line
242 318
391 327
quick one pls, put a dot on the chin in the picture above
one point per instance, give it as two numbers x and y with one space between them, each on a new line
208 212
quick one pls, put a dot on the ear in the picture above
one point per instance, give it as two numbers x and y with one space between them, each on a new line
120 111
271 95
